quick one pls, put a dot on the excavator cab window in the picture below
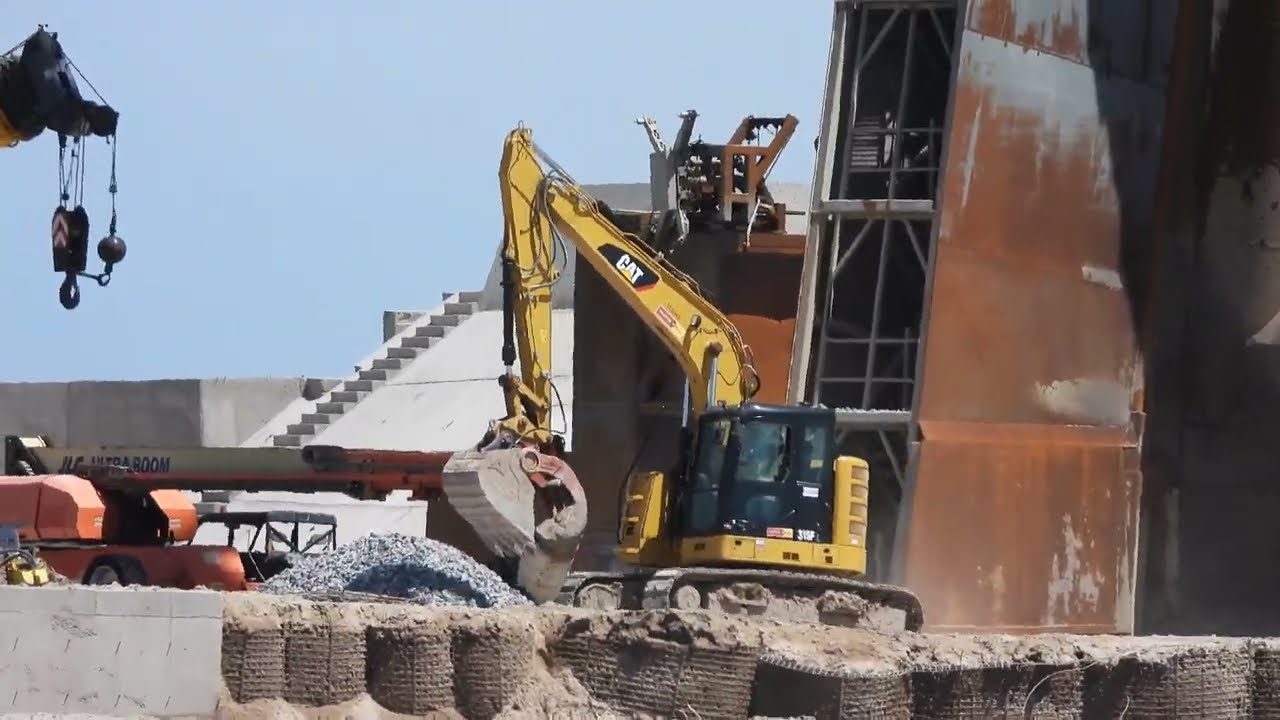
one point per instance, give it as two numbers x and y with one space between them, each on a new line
703 503
762 471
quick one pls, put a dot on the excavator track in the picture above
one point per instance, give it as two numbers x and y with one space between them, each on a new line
827 599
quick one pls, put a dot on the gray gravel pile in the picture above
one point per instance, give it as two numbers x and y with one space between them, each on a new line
418 569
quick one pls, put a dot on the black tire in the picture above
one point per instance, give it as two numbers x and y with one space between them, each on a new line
123 570
273 565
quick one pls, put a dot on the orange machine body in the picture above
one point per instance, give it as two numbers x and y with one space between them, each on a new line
74 523
185 567
96 512
69 508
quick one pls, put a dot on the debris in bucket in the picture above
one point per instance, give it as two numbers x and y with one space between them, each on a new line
419 569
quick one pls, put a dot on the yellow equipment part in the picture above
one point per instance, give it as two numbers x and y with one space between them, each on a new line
8 136
23 568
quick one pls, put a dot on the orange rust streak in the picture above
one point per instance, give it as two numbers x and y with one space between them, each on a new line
1010 310
1034 201
1062 34
1020 572
758 294
997 433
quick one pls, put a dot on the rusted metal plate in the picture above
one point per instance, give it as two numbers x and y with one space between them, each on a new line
1120 38
1024 512
1027 528
1055 27
758 294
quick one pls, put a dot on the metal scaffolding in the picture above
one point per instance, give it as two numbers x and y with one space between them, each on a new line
872 223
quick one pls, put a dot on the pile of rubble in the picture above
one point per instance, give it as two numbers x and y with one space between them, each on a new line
417 569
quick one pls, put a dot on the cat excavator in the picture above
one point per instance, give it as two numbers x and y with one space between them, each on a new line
759 514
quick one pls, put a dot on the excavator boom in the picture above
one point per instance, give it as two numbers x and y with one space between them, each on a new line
541 205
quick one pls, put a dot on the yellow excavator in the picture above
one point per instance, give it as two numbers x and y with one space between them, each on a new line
759 514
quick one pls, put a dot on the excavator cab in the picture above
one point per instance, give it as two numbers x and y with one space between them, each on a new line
759 471
759 485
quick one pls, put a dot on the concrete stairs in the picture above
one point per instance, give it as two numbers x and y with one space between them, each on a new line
414 339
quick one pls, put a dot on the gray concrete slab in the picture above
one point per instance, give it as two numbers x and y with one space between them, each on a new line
232 409
561 293
152 413
292 412
166 413
445 399
110 652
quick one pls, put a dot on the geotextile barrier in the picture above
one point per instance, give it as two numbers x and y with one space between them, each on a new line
661 663
410 669
562 663
788 687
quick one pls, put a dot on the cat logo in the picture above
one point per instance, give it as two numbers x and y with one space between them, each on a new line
633 269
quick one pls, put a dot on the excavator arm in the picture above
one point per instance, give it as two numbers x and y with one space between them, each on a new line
543 208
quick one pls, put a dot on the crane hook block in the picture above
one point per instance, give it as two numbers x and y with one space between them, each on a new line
69 233
70 240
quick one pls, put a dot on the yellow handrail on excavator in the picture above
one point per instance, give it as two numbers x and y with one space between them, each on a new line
540 200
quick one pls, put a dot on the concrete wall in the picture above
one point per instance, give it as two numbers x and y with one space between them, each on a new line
156 413
116 652
233 408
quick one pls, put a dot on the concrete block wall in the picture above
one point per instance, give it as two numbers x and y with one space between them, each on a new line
153 413
129 653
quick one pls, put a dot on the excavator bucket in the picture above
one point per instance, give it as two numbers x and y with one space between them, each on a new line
527 508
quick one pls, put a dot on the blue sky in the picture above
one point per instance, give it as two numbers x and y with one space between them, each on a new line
289 170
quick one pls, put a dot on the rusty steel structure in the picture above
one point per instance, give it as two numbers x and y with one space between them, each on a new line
977 276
